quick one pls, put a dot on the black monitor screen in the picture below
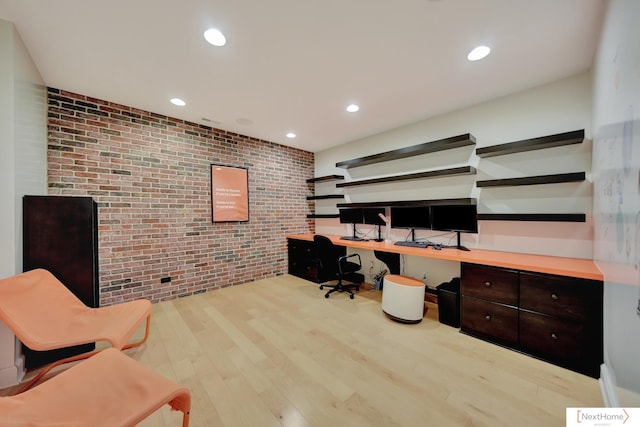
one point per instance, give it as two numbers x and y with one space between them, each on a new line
411 217
371 216
351 216
455 218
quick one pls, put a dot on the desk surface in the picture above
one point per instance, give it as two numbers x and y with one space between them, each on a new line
572 267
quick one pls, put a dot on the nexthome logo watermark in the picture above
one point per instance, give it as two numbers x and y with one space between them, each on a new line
603 417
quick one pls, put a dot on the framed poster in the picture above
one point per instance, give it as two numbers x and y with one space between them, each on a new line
229 193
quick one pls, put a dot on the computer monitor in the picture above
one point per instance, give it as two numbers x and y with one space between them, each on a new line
351 216
462 218
413 217
372 216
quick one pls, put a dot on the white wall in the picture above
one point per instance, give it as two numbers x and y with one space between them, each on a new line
616 170
23 158
558 107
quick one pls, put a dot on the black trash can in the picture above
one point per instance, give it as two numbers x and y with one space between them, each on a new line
449 302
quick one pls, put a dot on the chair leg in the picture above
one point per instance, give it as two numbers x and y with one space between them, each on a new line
340 288
144 339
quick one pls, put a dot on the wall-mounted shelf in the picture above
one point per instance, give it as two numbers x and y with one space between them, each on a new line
574 217
325 178
464 170
557 140
432 202
414 150
534 180
326 196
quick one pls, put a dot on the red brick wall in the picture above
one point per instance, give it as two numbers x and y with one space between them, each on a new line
150 175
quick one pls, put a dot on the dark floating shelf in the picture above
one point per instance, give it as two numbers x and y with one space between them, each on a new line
326 196
533 217
325 178
534 180
433 202
557 140
414 150
323 216
464 170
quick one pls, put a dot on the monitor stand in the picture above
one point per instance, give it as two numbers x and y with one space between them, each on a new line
459 246
379 239
353 238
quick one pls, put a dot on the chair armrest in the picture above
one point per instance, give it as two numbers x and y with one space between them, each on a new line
346 257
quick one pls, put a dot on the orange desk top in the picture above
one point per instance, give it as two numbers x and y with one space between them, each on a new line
572 267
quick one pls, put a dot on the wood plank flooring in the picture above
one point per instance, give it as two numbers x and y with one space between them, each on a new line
276 353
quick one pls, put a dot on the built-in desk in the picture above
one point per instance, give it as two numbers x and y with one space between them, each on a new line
548 307
571 267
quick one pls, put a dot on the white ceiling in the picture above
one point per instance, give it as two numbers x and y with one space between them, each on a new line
294 65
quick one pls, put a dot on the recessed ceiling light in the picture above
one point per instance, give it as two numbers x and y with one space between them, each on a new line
478 53
352 108
179 102
291 135
215 37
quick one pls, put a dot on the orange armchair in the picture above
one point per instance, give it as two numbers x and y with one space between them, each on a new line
109 389
45 315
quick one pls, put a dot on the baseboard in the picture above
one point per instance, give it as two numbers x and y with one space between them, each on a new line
608 387
12 375
20 367
8 377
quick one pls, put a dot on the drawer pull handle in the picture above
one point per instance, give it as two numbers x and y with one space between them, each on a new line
554 336
487 316
554 297
487 284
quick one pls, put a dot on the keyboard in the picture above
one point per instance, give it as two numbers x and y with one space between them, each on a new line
411 244
354 239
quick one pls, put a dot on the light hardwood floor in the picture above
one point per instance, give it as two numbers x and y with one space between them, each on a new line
277 353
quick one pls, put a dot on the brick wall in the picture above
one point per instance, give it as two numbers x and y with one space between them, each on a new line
150 175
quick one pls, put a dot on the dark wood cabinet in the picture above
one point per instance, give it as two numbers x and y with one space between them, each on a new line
491 284
303 260
490 320
60 234
554 318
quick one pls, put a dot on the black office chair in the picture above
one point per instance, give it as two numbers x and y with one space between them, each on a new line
333 265
392 260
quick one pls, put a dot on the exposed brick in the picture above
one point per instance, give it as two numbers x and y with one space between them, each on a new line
150 176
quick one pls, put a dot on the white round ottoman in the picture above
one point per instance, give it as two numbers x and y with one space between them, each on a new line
403 298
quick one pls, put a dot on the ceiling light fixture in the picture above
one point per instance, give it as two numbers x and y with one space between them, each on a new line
179 102
352 108
478 53
215 37
291 135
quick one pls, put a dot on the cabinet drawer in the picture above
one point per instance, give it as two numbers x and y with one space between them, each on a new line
558 339
496 322
490 283
561 296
